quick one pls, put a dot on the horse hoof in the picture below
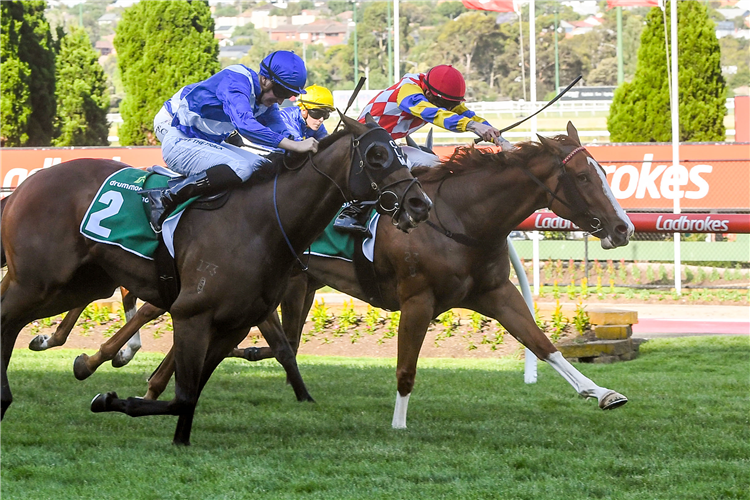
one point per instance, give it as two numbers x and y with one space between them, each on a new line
251 353
38 343
119 360
102 402
612 400
80 368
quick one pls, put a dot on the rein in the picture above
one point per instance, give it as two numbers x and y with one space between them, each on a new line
364 167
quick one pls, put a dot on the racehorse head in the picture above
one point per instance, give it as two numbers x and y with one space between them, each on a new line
582 194
379 172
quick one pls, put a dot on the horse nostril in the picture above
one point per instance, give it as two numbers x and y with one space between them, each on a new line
419 206
622 229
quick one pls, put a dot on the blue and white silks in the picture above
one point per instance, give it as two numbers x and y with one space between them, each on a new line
208 112
297 126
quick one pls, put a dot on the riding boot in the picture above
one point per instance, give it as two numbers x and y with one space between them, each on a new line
163 201
353 219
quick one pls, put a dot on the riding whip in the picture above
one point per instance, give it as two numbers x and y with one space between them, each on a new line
359 86
553 101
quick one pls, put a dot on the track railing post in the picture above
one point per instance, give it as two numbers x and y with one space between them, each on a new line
529 375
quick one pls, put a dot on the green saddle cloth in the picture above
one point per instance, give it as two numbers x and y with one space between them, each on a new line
335 243
118 214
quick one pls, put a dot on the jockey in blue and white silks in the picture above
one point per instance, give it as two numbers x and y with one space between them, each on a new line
236 99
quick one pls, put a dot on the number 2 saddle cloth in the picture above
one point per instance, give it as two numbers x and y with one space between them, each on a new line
118 215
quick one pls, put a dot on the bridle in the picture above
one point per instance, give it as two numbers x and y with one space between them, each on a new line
576 205
361 187
364 177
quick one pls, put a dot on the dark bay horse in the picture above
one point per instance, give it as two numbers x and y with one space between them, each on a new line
233 262
480 197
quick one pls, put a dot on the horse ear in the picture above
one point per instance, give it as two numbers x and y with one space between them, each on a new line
549 143
411 142
428 142
351 123
573 133
369 119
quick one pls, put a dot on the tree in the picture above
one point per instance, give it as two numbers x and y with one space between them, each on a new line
41 59
161 46
471 43
27 75
640 108
605 73
82 93
15 103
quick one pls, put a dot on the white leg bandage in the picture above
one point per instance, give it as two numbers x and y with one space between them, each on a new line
583 386
399 413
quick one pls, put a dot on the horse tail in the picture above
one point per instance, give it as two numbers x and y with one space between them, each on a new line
2 250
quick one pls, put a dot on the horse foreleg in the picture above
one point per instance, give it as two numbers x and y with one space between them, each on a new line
416 314
44 342
274 335
506 304
157 382
124 356
193 351
85 365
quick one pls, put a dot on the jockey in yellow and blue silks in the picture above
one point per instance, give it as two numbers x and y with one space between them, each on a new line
435 97
306 118
236 100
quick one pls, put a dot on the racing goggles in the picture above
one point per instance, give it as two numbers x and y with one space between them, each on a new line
318 113
282 92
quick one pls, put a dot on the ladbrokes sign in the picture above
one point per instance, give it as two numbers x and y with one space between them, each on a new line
715 176
710 176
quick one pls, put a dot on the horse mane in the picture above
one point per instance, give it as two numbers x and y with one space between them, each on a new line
277 161
468 159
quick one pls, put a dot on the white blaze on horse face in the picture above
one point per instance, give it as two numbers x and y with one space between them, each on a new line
608 193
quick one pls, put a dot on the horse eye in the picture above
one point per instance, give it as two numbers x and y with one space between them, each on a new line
583 177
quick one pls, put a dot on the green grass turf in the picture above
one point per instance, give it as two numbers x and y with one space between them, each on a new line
475 431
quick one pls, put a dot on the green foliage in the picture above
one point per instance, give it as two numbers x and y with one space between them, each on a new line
161 46
571 290
27 72
558 322
581 319
636 271
348 318
372 318
391 326
689 276
321 317
478 321
649 274
639 107
82 98
663 273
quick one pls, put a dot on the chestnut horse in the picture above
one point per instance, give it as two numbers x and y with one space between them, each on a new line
479 197
233 262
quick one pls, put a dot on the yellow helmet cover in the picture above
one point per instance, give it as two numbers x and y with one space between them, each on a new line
316 97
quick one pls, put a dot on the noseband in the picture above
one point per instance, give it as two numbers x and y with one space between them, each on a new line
360 186
577 205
